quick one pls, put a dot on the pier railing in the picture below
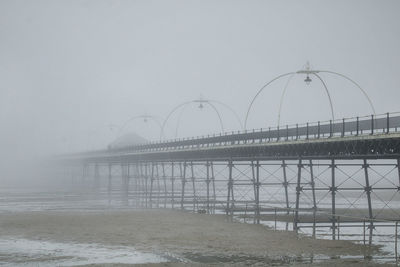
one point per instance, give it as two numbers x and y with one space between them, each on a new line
346 127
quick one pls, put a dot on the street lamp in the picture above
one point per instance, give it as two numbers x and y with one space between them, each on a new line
308 71
308 80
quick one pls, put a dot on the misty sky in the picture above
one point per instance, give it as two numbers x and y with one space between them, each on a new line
70 69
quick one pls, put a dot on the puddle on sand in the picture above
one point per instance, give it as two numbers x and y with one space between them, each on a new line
24 252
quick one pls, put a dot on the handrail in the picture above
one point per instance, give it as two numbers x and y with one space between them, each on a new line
373 124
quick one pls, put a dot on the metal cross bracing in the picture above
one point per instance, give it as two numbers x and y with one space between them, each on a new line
315 190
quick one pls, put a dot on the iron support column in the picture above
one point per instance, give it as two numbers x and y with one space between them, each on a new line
230 165
313 194
368 190
183 184
172 185
96 178
333 190
151 184
109 182
298 191
285 185
213 186
208 186
165 184
193 186
258 191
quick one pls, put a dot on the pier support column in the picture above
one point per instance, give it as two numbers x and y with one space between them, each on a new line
165 184
124 183
173 185
84 175
256 180
151 184
109 185
285 185
298 192
96 179
398 171
193 186
146 178
157 178
213 187
208 186
135 184
142 185
333 190
312 182
368 190
183 185
230 183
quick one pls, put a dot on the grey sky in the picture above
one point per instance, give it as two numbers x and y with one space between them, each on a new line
69 69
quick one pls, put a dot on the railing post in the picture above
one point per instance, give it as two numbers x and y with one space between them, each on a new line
278 134
343 129
358 125
372 124
287 132
387 123
307 131
269 134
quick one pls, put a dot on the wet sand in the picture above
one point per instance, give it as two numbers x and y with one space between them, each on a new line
192 238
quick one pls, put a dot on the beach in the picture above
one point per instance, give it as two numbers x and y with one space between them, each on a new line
181 237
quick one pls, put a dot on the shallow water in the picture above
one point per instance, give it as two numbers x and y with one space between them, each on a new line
24 252
383 236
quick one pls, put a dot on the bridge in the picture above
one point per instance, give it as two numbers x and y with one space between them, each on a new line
324 174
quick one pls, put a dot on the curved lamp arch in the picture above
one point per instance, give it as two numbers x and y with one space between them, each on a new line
326 91
259 92
170 114
201 102
356 84
218 114
178 122
231 109
212 103
308 71
145 117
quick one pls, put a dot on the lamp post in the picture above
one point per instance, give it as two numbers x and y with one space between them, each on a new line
146 118
308 71
202 103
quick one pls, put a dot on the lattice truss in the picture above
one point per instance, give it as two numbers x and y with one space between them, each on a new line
351 189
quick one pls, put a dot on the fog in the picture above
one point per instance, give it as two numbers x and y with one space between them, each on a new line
73 72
